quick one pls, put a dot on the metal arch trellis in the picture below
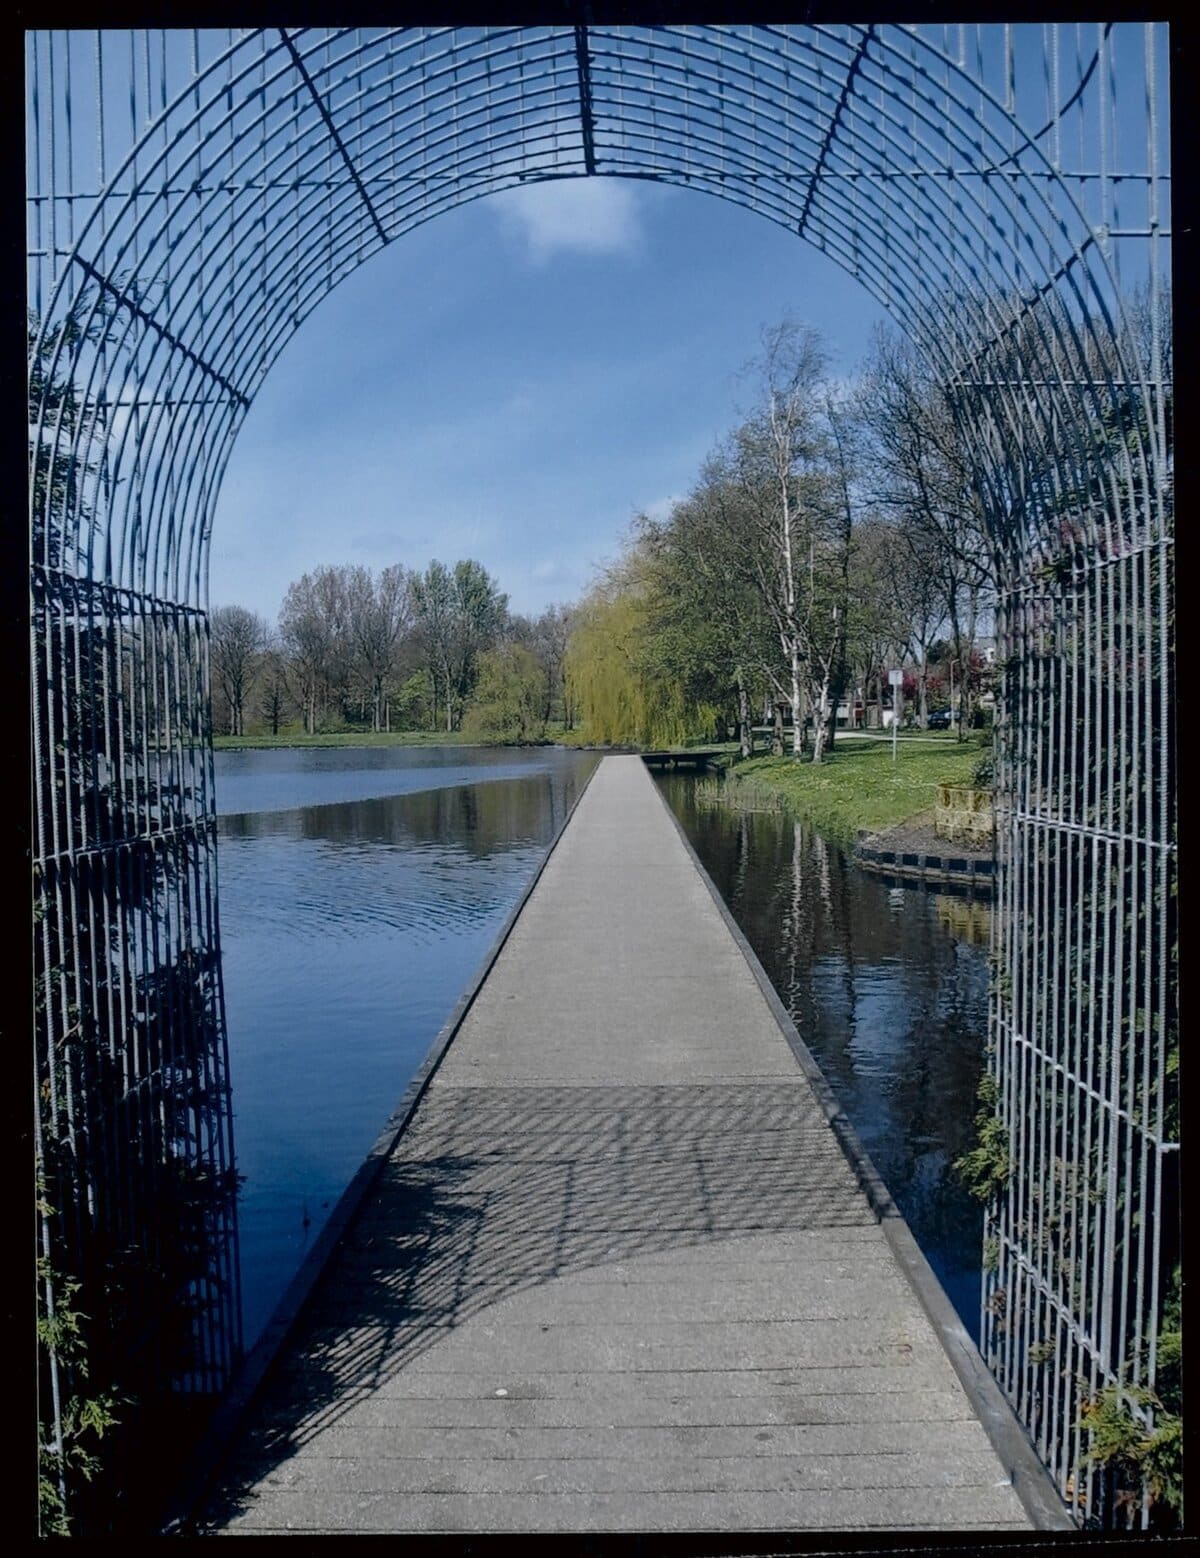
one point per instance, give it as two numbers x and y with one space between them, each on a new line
1003 191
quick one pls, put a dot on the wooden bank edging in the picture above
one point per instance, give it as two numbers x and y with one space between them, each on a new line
957 870
208 1458
1031 1480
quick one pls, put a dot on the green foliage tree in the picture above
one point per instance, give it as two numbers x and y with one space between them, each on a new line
617 674
460 613
480 616
713 632
508 704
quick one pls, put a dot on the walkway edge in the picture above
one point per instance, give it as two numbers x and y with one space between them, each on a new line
207 1459
1030 1478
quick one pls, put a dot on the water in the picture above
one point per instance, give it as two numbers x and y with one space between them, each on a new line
888 988
279 780
360 891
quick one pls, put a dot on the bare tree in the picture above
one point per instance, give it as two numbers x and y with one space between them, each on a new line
925 479
312 624
237 638
551 632
806 442
921 603
827 618
274 685
779 447
876 626
379 614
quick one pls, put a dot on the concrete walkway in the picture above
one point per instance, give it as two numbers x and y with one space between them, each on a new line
617 1273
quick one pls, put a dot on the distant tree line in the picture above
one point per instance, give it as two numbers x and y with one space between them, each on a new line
834 534
396 649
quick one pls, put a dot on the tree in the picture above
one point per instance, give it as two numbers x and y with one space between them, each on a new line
877 628
459 615
274 687
714 632
778 448
481 611
797 459
551 633
926 479
828 652
379 614
238 636
433 600
509 699
615 672
313 627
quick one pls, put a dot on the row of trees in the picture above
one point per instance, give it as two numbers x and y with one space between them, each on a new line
835 532
394 648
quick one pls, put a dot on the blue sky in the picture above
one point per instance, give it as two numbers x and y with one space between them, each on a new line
513 382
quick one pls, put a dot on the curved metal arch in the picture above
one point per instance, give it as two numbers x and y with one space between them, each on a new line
286 159
242 339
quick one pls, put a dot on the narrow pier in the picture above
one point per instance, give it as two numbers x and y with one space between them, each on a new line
618 1273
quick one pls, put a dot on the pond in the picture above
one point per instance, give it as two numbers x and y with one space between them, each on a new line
360 889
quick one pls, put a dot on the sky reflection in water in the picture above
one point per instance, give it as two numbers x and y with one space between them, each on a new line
349 930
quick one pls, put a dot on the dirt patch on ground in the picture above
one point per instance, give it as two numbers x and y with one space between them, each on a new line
916 837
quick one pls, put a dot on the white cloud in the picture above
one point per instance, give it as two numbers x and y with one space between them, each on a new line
661 508
576 215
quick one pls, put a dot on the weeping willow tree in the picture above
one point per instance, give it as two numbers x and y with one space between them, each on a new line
617 674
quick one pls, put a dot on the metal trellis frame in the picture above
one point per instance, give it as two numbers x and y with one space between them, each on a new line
1003 191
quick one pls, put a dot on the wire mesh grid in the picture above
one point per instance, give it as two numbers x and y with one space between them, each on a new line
1003 191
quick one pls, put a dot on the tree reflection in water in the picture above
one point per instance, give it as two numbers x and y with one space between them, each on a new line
887 985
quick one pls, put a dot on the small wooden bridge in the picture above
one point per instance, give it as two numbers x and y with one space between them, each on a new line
692 757
625 1267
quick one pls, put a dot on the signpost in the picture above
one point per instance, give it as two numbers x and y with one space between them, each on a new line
897 680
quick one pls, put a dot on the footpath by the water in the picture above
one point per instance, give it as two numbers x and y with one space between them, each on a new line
620 1271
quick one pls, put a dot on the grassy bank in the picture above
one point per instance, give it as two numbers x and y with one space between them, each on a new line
858 787
347 738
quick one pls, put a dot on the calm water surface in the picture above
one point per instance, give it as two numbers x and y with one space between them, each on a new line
360 890
888 988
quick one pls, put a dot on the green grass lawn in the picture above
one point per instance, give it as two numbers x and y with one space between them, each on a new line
858 787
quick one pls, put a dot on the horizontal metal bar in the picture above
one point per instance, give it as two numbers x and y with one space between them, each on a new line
834 175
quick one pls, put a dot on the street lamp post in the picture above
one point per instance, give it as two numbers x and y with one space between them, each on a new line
897 680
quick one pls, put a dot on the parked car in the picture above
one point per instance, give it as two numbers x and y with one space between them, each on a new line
940 719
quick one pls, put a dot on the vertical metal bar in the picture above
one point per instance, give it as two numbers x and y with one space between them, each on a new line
53 138
1056 95
35 140
1105 192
